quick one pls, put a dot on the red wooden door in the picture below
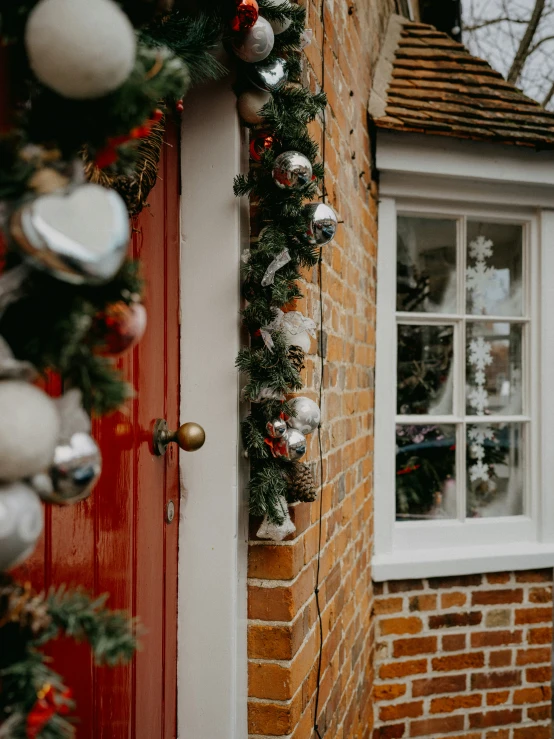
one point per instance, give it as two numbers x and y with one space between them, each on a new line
118 541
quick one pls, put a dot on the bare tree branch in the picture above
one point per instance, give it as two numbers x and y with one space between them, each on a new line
523 50
539 44
549 95
492 22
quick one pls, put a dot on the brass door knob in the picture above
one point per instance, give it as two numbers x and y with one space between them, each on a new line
190 437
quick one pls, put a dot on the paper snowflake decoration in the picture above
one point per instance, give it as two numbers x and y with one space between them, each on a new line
480 276
480 248
478 399
480 434
479 279
479 471
480 356
477 451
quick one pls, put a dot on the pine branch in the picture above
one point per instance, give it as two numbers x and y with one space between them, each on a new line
112 635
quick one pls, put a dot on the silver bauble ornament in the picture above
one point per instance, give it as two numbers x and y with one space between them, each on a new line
29 430
255 44
82 49
270 76
292 169
74 472
250 104
79 235
321 223
277 428
296 444
308 415
279 26
21 522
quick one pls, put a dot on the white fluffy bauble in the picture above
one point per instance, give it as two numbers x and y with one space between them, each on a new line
80 48
255 44
21 522
278 26
29 430
250 103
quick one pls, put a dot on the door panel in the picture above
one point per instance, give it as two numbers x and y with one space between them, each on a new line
118 541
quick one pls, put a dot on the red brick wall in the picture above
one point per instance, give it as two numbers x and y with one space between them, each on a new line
432 630
283 632
464 657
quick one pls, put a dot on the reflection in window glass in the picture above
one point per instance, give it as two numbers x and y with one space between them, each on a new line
425 472
495 480
426 265
494 269
494 369
425 376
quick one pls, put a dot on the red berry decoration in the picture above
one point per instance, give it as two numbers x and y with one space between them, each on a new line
120 326
180 106
260 142
247 14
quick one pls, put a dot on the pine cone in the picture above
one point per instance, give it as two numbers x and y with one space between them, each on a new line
302 487
296 356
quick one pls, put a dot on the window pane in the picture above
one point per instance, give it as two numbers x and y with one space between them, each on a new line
425 472
495 467
426 265
494 269
425 374
494 369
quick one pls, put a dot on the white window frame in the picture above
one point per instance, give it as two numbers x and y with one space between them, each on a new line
450 547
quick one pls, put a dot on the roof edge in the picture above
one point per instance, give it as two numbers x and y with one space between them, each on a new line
385 65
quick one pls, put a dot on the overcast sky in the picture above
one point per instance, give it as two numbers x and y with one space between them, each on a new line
498 43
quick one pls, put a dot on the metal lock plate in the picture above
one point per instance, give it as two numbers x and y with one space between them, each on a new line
170 512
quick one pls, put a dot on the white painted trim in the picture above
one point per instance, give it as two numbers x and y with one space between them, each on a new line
546 345
477 161
385 395
212 665
461 561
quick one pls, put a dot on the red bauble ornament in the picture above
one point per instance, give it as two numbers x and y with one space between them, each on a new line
260 142
49 702
247 14
120 326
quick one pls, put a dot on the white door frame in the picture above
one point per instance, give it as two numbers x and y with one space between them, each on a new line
212 661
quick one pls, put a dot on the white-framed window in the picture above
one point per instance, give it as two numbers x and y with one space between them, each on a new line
459 431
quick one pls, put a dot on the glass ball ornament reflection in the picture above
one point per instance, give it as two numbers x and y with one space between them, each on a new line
291 170
79 235
270 76
321 223
277 428
21 523
246 15
120 327
74 472
256 43
296 445
307 415
260 142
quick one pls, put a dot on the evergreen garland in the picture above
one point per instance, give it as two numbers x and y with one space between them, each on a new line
278 214
28 622
50 325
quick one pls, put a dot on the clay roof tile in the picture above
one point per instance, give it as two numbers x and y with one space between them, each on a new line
427 83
